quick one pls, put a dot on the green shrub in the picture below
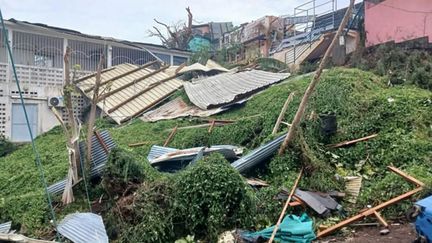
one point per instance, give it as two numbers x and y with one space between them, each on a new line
211 197
6 147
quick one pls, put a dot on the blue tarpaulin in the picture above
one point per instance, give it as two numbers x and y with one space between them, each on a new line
292 229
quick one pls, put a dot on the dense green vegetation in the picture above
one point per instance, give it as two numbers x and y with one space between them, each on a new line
362 101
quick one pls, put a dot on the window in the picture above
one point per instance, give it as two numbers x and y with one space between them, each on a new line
164 57
43 61
179 60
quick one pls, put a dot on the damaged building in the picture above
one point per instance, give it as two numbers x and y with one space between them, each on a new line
38 51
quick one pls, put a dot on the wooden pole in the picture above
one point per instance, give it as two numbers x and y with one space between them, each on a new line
310 89
285 206
282 113
170 137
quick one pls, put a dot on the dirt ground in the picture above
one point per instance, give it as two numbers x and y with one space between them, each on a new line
403 233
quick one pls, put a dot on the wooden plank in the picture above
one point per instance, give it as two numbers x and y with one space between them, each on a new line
346 143
141 143
368 212
406 176
151 86
282 113
380 219
101 141
122 75
20 238
212 124
286 206
104 96
171 136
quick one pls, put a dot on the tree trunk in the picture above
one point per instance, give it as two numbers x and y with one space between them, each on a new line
315 81
92 115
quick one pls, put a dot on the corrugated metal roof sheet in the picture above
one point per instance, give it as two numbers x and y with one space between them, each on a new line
83 228
258 155
210 66
171 160
99 159
159 154
131 91
227 87
5 227
352 187
178 108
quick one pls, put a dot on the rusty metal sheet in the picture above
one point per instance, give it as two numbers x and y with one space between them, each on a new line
178 108
144 101
227 87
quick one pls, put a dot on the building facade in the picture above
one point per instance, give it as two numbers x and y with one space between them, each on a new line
397 20
37 51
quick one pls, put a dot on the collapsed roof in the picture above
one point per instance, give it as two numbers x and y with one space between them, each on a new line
128 90
227 87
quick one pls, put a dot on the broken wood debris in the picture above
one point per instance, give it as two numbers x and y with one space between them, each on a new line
20 238
282 113
346 143
374 210
137 144
276 227
256 182
171 136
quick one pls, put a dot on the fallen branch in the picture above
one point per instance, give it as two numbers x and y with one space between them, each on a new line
285 206
282 113
310 89
346 143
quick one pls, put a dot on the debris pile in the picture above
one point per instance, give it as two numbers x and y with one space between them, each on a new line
207 195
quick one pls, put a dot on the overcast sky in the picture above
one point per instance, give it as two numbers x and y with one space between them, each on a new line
130 19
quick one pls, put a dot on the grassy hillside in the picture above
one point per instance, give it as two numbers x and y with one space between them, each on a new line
402 117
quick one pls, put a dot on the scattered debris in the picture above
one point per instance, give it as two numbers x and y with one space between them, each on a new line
352 187
141 143
5 227
275 230
211 66
256 182
228 87
346 143
129 90
320 203
178 108
102 145
282 113
374 210
20 238
292 229
171 136
83 228
384 231
258 155
423 217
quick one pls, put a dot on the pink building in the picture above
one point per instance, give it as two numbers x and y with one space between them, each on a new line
397 20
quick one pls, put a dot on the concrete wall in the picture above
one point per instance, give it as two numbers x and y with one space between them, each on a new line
397 20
